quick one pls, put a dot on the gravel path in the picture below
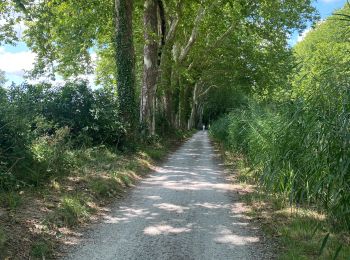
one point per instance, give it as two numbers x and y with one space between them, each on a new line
184 210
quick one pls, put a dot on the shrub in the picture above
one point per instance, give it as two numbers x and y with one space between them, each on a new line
299 151
41 249
105 187
41 125
53 155
71 211
10 200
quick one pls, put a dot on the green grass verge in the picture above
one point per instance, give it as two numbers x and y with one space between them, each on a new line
41 249
97 176
71 211
10 200
301 232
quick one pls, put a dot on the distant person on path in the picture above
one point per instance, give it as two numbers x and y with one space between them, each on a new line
203 127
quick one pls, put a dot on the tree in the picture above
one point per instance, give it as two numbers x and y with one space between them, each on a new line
8 21
2 78
225 42
65 34
248 27
125 62
150 71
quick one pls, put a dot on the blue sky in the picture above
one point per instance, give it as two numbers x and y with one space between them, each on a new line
325 9
14 60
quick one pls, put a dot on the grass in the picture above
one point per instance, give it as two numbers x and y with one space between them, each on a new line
71 211
41 249
3 239
300 232
155 153
65 202
105 188
11 200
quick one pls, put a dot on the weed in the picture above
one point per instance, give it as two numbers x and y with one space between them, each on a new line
298 152
302 231
70 212
10 200
155 153
104 187
126 180
41 249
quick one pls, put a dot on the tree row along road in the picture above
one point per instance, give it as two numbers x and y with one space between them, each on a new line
186 209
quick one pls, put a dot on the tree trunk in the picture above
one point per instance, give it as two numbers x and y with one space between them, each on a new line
150 68
166 83
192 118
125 58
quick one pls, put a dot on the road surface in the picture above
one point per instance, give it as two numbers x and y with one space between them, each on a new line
186 209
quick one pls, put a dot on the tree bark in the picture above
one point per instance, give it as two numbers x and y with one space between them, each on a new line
125 58
193 37
166 70
191 120
150 69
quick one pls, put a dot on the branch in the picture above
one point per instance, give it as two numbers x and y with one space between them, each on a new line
193 37
206 91
220 38
174 22
214 45
172 29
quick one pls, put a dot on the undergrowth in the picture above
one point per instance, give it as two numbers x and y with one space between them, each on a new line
95 177
41 249
3 239
301 230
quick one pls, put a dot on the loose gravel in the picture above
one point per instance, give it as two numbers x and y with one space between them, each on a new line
186 209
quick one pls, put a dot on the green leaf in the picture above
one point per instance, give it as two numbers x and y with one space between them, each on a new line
337 252
324 242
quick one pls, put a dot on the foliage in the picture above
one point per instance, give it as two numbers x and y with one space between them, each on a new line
2 78
10 200
71 211
41 125
9 19
41 249
299 153
298 142
104 188
301 231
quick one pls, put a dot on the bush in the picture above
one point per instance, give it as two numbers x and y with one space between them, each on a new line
52 152
71 210
40 126
299 151
41 249
10 200
105 187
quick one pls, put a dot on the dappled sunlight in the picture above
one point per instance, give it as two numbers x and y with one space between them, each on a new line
171 207
132 212
212 205
226 236
196 185
153 197
165 230
187 199
126 215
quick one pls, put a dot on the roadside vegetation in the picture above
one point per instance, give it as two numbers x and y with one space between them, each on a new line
163 68
294 145
61 171
62 160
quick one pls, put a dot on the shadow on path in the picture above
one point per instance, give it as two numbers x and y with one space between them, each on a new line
184 210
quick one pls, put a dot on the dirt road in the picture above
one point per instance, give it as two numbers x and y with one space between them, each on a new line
184 210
